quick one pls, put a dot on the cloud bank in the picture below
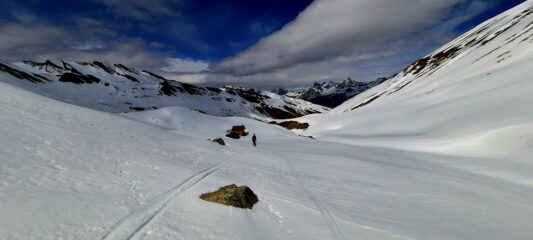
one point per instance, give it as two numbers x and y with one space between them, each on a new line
334 39
330 40
329 29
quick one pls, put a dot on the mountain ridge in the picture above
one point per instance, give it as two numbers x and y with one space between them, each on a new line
118 88
330 94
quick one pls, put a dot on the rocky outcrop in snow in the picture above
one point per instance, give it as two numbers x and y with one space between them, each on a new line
231 195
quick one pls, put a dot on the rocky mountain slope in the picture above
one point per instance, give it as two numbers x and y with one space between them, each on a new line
330 94
118 88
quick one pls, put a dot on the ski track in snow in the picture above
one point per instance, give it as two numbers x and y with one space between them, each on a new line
146 214
327 215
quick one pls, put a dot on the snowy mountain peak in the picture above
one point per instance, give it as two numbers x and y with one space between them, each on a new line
330 94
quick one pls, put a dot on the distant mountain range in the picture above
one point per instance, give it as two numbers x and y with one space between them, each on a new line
330 94
118 88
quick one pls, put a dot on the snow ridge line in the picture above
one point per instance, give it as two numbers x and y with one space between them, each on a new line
328 216
161 203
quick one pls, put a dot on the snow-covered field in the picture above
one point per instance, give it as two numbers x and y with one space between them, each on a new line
445 156
74 173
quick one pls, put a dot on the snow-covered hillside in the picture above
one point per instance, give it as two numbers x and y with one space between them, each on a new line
117 88
330 94
478 85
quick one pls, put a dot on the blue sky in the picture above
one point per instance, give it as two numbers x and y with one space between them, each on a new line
198 29
243 42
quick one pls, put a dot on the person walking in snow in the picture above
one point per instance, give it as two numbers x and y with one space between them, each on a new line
254 140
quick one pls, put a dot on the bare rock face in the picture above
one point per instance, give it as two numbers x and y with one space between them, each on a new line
231 195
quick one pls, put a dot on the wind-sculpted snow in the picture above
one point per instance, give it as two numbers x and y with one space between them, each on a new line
117 88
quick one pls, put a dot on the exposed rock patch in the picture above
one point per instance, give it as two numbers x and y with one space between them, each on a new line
22 75
191 89
251 95
219 141
237 132
292 125
231 195
277 113
78 78
104 67
167 88
130 78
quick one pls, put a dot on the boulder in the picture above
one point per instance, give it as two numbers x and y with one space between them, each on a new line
237 132
231 195
219 141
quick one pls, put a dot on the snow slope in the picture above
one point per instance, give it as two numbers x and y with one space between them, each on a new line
74 173
465 93
117 88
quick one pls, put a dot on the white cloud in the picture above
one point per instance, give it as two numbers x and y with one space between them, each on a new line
32 41
329 29
185 65
298 75
330 40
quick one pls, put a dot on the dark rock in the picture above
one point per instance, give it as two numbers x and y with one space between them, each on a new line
219 141
250 95
191 89
129 77
212 89
78 78
237 132
137 109
231 195
277 113
280 91
125 68
169 89
292 125
368 101
433 62
22 75
104 67
154 75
